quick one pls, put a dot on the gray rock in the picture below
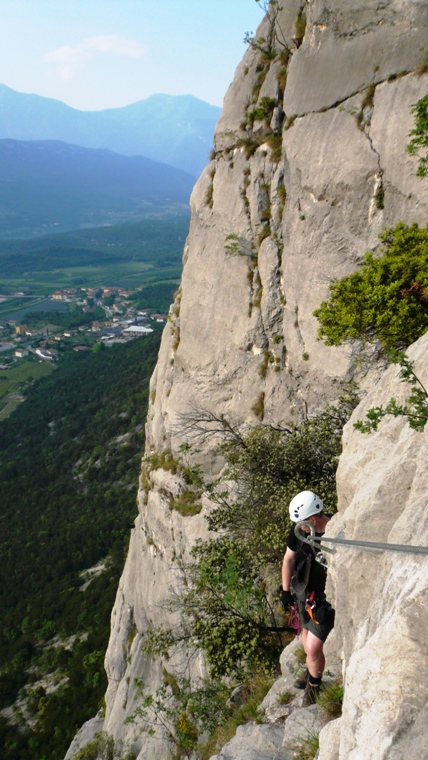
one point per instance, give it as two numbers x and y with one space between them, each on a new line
381 599
277 714
87 733
330 741
255 742
304 723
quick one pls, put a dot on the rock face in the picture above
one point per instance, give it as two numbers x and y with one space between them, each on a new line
381 599
309 165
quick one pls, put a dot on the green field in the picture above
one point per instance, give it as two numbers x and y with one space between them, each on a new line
13 380
126 255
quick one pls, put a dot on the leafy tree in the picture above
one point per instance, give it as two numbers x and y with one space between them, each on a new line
419 135
228 605
386 300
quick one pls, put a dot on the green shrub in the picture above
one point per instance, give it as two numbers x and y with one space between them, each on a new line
264 233
300 27
262 112
386 300
253 692
275 143
188 503
209 197
259 406
419 134
379 197
164 460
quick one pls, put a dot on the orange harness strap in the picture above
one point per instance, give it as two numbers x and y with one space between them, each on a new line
310 605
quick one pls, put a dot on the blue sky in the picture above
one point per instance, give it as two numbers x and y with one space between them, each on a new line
94 54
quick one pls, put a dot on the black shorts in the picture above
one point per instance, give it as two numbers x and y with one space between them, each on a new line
326 613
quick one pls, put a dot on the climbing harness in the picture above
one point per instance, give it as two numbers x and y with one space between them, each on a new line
315 542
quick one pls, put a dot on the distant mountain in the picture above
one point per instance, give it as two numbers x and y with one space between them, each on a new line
173 129
51 186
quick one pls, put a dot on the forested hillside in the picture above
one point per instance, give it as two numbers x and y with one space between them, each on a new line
69 464
51 186
125 255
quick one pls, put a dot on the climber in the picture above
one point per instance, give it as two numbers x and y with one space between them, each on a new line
307 577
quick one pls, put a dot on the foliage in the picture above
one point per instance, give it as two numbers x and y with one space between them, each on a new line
126 255
300 654
285 698
227 606
101 746
416 407
238 246
259 406
419 135
266 45
263 111
275 143
188 501
386 300
308 748
66 320
300 27
180 711
158 297
252 694
379 198
17 376
268 466
330 699
69 462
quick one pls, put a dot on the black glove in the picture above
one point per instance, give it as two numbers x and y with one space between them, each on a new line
287 599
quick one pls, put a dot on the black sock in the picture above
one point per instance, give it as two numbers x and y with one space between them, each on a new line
314 681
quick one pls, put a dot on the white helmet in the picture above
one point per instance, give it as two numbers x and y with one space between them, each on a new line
304 505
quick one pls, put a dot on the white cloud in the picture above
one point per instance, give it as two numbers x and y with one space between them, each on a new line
70 58
114 43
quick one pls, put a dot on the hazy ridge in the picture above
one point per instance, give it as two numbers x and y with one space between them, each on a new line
51 186
175 130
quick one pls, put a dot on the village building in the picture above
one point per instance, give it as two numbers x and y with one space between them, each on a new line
20 353
137 331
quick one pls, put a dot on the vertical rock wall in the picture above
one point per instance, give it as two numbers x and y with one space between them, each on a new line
381 599
309 165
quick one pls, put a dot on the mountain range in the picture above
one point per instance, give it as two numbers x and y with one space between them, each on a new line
51 186
175 130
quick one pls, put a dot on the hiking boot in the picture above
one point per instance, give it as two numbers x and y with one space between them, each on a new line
310 695
302 681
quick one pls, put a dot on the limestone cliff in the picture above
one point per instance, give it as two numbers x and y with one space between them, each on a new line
381 598
309 165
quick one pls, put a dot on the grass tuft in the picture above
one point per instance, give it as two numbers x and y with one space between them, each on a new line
330 699
308 748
